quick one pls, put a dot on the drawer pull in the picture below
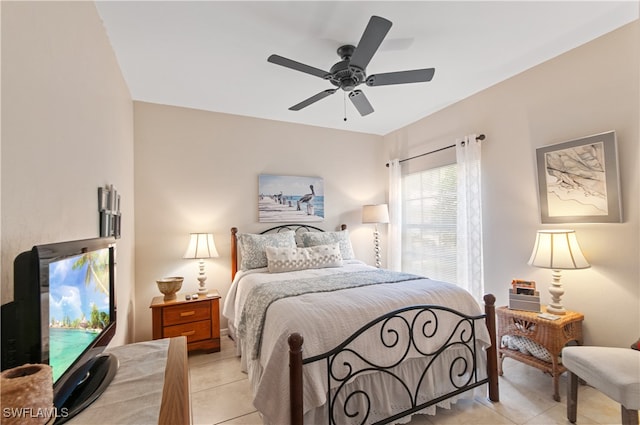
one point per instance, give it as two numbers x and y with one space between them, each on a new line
187 313
188 333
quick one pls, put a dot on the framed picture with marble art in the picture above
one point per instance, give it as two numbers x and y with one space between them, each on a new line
578 181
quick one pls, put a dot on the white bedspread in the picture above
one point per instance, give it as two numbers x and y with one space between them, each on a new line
324 320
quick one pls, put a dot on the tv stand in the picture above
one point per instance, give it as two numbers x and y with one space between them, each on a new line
84 386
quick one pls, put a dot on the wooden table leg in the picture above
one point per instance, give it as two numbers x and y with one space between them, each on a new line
500 360
556 377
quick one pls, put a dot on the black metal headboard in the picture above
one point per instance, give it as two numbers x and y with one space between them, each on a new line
297 228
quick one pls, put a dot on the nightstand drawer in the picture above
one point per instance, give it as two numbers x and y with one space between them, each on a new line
194 331
186 313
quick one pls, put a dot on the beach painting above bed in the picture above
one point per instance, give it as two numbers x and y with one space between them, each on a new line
290 199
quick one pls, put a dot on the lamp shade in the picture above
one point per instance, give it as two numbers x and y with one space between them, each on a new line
201 245
558 250
375 213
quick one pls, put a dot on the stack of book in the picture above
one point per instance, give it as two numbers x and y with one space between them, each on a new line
523 295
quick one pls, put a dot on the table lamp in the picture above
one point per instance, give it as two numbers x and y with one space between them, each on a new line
201 246
557 250
376 214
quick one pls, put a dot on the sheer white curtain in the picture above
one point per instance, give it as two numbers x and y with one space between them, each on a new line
394 238
469 224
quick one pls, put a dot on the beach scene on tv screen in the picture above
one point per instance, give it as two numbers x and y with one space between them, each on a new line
78 306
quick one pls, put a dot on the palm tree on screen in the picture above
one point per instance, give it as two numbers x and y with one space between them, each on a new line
97 269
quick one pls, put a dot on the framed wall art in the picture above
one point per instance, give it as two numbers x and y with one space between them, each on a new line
290 199
578 181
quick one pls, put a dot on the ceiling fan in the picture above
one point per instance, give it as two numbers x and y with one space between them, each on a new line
350 72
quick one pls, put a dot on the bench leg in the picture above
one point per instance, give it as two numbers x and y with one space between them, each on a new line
572 397
629 417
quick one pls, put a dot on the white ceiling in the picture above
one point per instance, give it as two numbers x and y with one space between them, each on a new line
212 55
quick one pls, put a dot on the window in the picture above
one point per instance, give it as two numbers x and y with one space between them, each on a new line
429 222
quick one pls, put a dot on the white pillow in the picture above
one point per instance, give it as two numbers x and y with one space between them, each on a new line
526 346
324 238
291 259
252 247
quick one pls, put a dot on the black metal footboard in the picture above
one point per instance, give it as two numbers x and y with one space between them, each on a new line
434 334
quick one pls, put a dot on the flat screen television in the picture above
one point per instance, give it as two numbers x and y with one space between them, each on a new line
64 315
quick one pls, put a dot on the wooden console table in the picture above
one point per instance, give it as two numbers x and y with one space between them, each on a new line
553 335
150 387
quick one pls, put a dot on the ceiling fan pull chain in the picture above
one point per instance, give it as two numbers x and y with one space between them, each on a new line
344 102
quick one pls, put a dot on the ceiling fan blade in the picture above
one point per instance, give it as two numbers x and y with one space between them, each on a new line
361 102
376 30
288 63
312 99
401 77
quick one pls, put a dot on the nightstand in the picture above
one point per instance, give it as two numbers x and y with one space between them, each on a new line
198 320
550 334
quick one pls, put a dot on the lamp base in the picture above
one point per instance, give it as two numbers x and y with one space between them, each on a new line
201 279
376 246
557 311
556 291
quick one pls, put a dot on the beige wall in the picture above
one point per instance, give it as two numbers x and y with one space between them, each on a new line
197 171
67 129
589 90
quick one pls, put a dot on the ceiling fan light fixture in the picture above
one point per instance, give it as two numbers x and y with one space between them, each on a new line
348 84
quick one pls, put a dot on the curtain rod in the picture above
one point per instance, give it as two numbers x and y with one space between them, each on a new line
480 137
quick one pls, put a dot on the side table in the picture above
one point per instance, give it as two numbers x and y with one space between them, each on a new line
198 320
550 334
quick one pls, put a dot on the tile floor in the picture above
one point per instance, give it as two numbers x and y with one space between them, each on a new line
220 394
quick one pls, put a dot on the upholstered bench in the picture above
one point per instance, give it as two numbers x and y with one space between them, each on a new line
612 371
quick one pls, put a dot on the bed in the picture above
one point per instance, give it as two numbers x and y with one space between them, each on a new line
364 345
